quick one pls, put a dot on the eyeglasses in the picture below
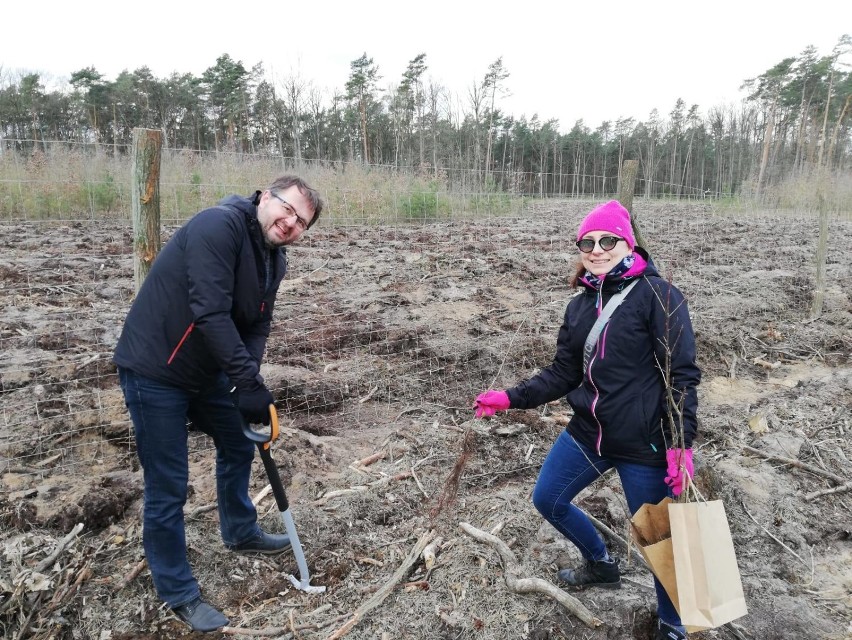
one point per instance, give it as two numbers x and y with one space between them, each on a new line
607 243
290 211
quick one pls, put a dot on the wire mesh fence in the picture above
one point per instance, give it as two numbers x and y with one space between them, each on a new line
67 181
382 314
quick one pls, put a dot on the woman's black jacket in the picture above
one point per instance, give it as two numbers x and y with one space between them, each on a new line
623 399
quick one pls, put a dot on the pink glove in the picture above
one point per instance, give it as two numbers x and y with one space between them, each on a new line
679 460
490 402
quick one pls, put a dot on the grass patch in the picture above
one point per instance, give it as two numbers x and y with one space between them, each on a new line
70 182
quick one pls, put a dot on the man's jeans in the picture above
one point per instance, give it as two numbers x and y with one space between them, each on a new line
159 413
569 468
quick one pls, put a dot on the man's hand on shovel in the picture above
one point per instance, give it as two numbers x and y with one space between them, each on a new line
253 404
263 438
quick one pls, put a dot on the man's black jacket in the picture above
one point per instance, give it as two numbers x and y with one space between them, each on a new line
204 307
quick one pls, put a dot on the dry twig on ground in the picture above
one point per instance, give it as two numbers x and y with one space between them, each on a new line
827 492
72 535
130 577
797 463
388 587
530 585
778 540
360 488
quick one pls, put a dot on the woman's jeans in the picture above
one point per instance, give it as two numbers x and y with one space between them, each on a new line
160 413
569 468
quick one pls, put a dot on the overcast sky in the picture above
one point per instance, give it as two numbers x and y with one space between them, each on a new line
596 61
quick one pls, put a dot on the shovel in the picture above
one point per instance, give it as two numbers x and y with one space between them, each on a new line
263 438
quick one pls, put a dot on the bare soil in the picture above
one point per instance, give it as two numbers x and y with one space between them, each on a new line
383 337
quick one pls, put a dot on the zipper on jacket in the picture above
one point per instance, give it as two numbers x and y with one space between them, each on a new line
594 404
182 340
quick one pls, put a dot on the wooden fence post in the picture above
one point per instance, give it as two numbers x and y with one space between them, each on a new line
145 200
629 171
821 256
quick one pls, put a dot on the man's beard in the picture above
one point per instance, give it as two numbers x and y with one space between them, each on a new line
269 243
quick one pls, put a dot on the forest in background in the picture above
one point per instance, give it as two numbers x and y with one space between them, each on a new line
795 121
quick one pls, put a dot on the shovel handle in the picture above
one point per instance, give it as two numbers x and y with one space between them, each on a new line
258 432
274 477
263 438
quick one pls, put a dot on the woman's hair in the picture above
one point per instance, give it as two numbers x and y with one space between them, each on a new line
579 272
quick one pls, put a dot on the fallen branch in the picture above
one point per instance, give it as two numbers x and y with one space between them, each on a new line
26 624
766 365
531 585
282 633
797 463
771 535
735 630
422 585
360 488
268 632
366 462
430 553
49 560
202 509
367 560
292 621
419 485
25 470
388 587
369 395
89 360
346 628
261 495
130 577
827 492
47 461
60 597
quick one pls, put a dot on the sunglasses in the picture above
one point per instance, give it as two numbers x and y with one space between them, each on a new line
607 243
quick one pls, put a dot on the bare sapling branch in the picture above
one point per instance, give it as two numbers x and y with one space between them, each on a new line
675 398
451 484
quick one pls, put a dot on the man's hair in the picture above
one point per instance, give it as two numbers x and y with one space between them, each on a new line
313 196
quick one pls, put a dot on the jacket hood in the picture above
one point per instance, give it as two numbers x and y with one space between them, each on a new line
651 269
246 205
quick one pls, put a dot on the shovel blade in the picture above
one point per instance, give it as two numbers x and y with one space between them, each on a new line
304 583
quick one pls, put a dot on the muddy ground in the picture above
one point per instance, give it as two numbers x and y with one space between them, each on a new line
383 337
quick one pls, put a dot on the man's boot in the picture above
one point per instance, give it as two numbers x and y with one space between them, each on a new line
200 616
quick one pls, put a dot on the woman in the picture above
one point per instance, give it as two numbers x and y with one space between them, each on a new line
633 393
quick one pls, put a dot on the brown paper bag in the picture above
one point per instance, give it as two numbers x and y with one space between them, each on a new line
709 589
650 530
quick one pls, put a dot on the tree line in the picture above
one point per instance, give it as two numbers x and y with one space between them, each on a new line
796 117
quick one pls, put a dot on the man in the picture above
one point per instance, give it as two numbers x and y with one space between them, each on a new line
190 351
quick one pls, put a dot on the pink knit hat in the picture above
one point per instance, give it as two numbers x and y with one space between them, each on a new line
612 217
